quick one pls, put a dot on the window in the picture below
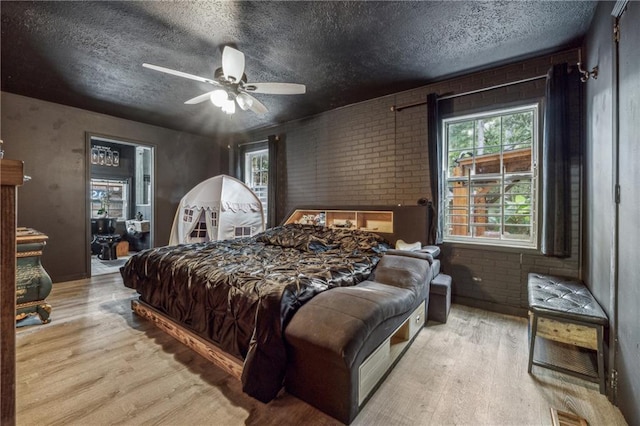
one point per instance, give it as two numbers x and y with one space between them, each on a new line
188 215
489 173
110 198
200 230
243 231
257 175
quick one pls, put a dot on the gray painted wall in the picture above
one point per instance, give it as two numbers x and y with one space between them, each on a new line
599 206
628 290
600 267
50 139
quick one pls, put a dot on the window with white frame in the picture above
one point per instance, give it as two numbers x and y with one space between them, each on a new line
188 215
490 194
256 172
200 230
243 231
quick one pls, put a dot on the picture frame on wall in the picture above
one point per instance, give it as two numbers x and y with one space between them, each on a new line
94 156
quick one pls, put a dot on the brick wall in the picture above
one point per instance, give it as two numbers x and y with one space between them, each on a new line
368 154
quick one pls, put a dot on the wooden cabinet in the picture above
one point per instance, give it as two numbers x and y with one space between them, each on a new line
379 221
11 176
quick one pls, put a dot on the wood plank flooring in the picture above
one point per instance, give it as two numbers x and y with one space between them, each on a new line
97 363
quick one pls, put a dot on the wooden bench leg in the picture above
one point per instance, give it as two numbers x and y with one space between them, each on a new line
601 372
533 328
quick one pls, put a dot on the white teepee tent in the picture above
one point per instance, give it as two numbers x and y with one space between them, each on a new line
219 208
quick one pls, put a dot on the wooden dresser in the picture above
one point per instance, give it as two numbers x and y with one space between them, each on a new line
11 176
33 283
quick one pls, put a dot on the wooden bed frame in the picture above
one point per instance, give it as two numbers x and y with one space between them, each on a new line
208 350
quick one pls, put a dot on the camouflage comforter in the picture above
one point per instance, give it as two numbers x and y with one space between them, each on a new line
240 294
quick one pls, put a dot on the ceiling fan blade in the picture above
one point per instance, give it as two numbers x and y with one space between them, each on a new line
258 107
276 88
246 101
232 63
181 74
198 99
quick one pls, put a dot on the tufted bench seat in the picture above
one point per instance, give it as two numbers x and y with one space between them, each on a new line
563 310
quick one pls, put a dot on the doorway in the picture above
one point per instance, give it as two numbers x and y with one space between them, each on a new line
120 202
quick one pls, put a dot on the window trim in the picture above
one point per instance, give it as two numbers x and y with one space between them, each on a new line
248 175
531 243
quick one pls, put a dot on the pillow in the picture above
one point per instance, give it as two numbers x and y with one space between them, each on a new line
402 245
317 239
318 245
300 237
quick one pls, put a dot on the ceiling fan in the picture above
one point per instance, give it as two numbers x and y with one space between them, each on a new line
232 86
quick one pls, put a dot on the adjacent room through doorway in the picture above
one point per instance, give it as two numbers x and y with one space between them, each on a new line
120 202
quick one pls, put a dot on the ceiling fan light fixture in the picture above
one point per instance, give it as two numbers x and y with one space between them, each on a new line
229 106
219 97
231 85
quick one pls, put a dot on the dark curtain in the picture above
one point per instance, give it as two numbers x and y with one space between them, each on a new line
556 189
273 181
435 170
237 162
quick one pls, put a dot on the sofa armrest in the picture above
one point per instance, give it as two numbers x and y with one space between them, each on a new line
415 254
404 269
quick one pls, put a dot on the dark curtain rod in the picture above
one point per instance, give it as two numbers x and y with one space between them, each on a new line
471 92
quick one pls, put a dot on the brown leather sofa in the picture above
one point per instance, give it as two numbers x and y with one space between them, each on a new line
342 343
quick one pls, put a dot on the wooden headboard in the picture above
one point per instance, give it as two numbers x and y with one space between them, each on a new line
407 223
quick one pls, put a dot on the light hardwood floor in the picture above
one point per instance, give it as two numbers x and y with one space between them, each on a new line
97 363
101 267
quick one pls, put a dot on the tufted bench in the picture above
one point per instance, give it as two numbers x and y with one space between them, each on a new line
563 310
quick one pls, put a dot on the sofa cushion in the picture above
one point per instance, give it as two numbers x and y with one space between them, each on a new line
435 267
432 250
400 269
339 321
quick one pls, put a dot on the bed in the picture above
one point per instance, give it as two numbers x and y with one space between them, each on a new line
239 295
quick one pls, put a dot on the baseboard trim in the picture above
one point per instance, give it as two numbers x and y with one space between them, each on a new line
491 306
73 277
